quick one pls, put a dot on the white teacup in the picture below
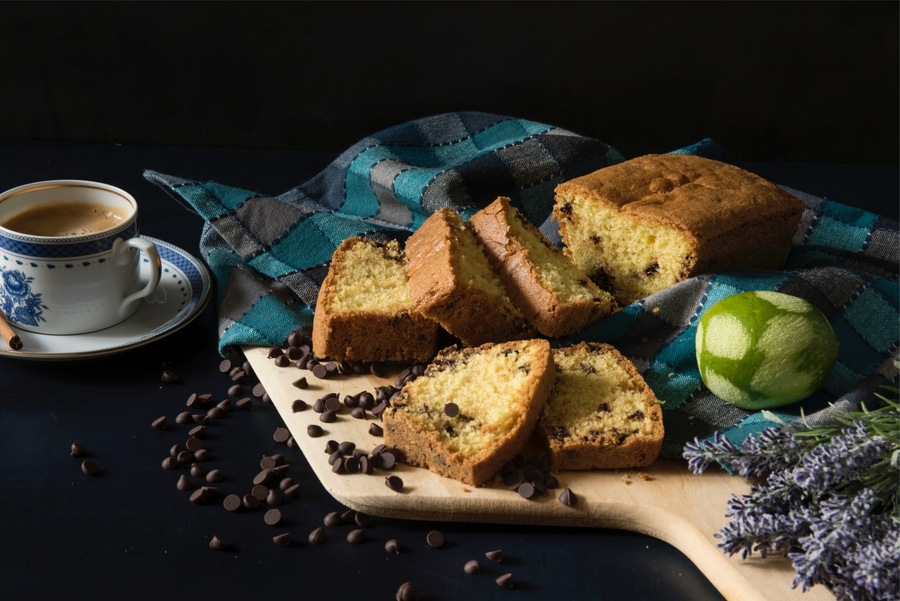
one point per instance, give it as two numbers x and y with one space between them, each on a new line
69 260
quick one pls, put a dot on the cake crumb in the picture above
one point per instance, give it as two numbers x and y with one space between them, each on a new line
645 477
626 479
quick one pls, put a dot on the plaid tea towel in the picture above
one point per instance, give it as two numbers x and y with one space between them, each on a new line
269 255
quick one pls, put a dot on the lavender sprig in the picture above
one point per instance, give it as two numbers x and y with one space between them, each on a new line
827 498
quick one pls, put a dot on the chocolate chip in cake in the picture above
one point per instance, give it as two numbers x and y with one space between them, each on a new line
451 409
434 539
568 498
160 423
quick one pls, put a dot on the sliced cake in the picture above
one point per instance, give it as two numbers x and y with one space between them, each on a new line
555 296
601 413
364 311
472 410
451 282
645 224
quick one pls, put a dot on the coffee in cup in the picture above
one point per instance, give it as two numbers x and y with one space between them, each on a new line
64 219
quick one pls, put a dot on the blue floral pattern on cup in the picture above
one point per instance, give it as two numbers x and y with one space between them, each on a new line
17 300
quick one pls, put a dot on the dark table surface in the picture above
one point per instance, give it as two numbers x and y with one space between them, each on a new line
128 532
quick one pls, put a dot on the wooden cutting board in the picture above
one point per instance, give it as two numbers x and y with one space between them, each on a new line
665 501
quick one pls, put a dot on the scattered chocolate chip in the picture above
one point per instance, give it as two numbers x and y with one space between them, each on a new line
250 502
434 539
225 366
387 460
260 492
392 546
357 536
328 417
259 390
243 403
232 502
184 418
394 483
197 431
202 455
317 536
376 430
214 475
197 470
451 409
219 544
184 483
299 405
282 360
301 383
358 413
272 517
472 567
170 463
168 377
89 467
185 457
407 592
77 450
215 413
282 540
347 447
568 498
275 496
193 444
506 581
203 495
320 371
496 556
236 390
160 423
333 519
314 430
361 519
281 435
293 491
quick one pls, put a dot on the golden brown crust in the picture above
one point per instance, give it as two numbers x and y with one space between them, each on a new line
511 244
392 333
419 433
466 308
636 444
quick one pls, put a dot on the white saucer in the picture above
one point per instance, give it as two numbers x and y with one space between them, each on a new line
183 292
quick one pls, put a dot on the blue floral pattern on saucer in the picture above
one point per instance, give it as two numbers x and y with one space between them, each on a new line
17 300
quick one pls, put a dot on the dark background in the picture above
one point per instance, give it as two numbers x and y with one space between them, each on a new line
771 81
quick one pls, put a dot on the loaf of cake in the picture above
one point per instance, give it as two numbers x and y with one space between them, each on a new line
555 296
645 224
472 410
364 311
451 282
601 413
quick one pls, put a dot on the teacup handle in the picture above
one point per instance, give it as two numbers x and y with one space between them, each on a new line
120 250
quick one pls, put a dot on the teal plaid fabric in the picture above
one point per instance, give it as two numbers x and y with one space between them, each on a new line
269 255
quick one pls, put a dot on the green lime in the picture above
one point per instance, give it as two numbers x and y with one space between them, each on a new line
764 349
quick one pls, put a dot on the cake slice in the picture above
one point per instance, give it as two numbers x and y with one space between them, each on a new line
555 296
472 410
451 282
645 224
601 413
364 311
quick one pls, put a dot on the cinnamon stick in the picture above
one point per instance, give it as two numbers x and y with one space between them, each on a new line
9 335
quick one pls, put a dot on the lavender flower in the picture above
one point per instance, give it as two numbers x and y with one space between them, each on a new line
840 460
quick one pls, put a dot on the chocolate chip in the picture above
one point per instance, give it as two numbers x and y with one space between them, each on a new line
170 463
160 423
219 544
193 444
262 477
232 502
293 491
568 498
314 430
183 483
270 462
347 447
225 366
197 431
202 455
434 539
358 413
215 413
259 390
451 409
260 492
299 405
283 539
496 556
249 502
394 483
328 417
317 536
236 390
320 371
77 450
281 435
282 360
387 460
301 383
203 495
185 457
168 377
272 517
89 467
214 475
392 546
361 519
184 418
407 592
275 496
472 567
243 403
357 536
505 581
197 470
333 519
376 430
